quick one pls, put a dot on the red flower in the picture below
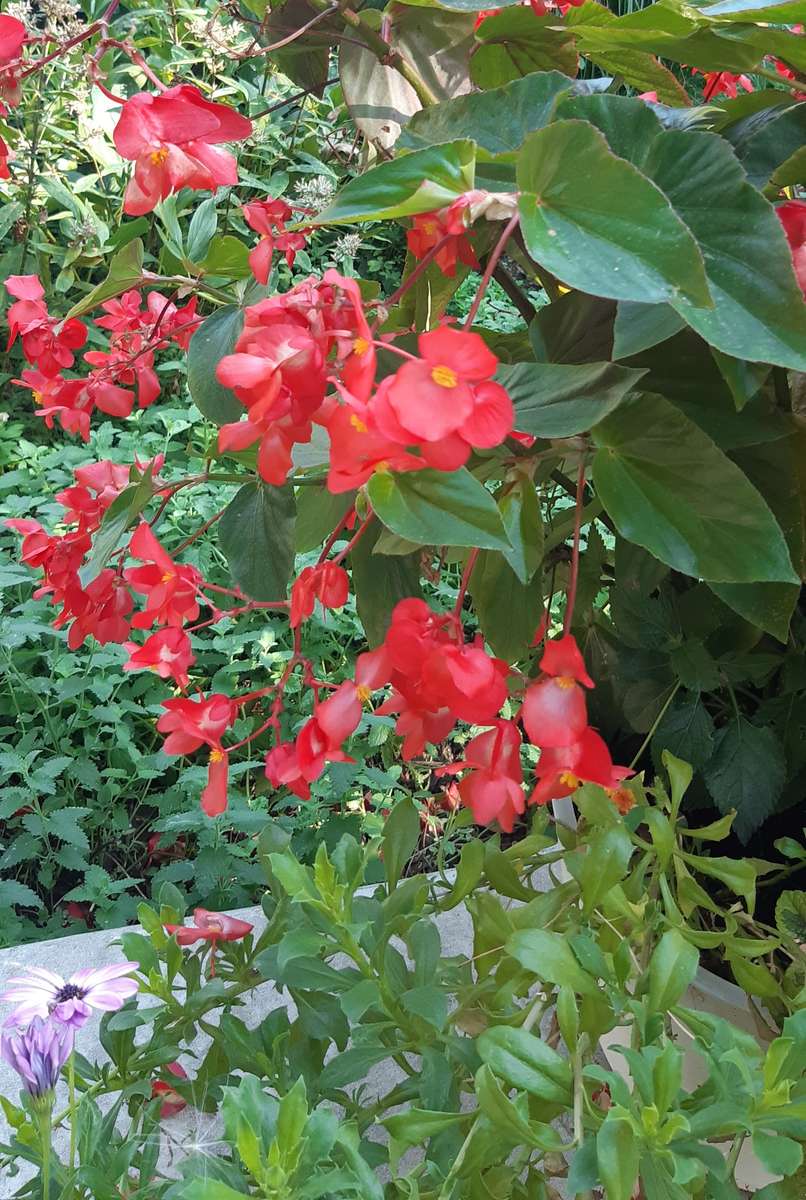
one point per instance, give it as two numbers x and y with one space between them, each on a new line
214 794
433 397
722 83
193 723
167 652
12 38
318 742
210 927
327 582
170 589
172 1102
5 154
172 139
100 609
792 215
430 228
554 709
357 450
492 788
562 769
51 351
268 218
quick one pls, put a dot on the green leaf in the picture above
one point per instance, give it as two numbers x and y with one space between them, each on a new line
227 256
379 582
629 125
671 970
428 1002
602 864
686 730
574 328
208 1189
120 516
766 140
523 521
639 327
215 338
526 1062
740 238
438 508
617 1152
256 534
790 915
12 893
125 272
780 1155
401 836
509 611
575 194
639 68
416 1124
318 513
498 120
553 400
202 227
413 183
548 956
746 772
350 1065
516 43
669 488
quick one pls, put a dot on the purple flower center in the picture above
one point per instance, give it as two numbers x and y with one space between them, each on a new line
70 991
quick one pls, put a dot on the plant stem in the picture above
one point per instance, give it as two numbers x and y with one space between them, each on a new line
71 1100
655 724
498 250
572 585
45 1134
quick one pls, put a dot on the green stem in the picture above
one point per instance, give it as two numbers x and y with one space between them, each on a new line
45 1136
655 724
71 1099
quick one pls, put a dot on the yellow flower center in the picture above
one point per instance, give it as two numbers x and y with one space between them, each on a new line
382 466
358 424
158 157
569 779
565 682
167 577
445 376
364 692
360 345
216 756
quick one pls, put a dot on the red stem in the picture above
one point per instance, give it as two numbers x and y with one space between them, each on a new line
492 263
412 278
84 36
359 533
572 583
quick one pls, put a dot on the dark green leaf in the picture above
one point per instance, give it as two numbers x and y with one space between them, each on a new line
400 838
553 400
523 521
438 508
215 338
746 772
669 488
574 328
526 1062
740 237
515 43
639 327
498 120
575 196
380 581
227 256
686 729
201 229
617 1152
256 534
548 956
125 272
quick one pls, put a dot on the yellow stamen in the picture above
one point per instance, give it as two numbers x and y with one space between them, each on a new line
360 345
569 779
364 692
216 756
382 466
158 157
38 397
565 682
358 424
168 576
445 376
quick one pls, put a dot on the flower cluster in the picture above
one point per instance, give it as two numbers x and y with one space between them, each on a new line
49 345
13 37
269 219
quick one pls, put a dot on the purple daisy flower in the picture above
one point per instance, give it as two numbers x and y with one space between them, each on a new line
42 993
38 1054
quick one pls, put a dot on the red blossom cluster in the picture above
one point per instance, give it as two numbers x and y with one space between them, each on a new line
723 83
447 225
269 218
792 215
49 345
12 39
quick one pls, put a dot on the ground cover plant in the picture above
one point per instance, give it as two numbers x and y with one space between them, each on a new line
539 431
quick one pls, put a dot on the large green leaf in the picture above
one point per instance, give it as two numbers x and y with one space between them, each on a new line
746 772
767 140
598 224
215 337
438 508
759 312
669 488
574 328
639 68
125 272
380 581
553 400
413 183
515 43
498 120
629 124
256 534
641 326
509 611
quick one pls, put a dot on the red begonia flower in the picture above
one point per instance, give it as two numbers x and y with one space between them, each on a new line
170 589
554 711
357 451
193 723
173 140
167 652
43 344
562 657
429 228
492 786
172 1102
214 794
268 218
210 927
12 38
562 769
327 582
433 397
723 83
792 215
